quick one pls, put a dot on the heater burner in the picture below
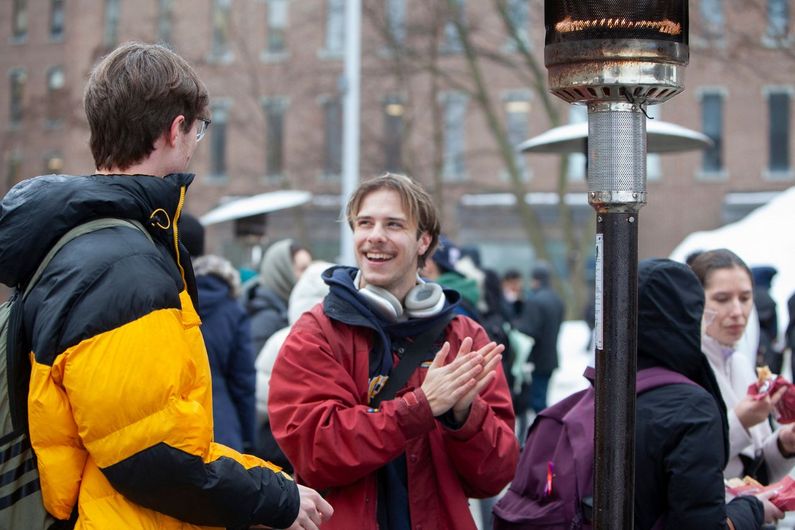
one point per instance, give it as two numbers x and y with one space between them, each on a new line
616 50
669 27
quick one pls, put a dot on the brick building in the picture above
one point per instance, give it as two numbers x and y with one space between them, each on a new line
273 69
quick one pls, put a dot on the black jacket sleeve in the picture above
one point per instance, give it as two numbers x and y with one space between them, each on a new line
745 513
694 468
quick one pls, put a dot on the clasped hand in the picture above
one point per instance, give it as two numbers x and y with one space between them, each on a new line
455 385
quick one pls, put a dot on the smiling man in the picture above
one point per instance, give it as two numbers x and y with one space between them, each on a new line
393 458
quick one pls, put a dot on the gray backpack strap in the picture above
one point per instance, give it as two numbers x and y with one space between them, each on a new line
79 230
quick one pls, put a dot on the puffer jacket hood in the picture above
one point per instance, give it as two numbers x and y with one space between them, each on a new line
35 213
670 307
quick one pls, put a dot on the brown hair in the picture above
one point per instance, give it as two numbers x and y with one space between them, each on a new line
133 96
416 201
711 260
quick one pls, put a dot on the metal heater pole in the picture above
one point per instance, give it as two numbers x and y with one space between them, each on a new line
617 57
617 191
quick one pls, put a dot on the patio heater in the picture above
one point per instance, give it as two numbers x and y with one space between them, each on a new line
616 57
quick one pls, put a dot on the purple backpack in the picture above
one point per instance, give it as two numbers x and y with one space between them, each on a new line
553 485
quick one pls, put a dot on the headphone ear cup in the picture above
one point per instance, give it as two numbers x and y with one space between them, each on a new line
382 301
424 300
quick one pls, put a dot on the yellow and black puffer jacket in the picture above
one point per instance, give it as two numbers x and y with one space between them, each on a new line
119 405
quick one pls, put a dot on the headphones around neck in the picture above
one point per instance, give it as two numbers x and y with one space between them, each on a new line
426 299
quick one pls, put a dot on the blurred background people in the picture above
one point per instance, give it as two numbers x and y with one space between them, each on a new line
225 328
541 319
265 298
513 291
755 449
768 352
309 290
441 268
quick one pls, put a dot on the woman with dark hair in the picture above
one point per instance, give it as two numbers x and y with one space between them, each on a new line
755 449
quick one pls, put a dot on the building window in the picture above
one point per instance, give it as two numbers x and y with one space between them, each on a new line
332 121
452 40
712 126
274 137
221 24
578 162
218 141
393 134
55 97
778 105
277 26
519 14
396 21
777 22
165 21
517 115
19 21
335 28
110 34
454 120
712 18
18 78
57 19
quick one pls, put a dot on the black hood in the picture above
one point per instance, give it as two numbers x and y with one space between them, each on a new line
670 307
35 213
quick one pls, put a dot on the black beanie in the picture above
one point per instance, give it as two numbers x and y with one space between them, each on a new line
191 234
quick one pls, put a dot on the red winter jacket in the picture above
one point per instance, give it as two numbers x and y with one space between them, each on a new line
320 417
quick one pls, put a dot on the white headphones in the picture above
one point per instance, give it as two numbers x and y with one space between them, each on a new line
424 300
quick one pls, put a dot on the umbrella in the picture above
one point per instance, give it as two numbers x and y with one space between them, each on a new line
662 137
255 205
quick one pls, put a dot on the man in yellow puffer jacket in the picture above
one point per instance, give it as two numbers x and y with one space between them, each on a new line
119 405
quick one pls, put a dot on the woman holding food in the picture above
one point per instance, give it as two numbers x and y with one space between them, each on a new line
754 448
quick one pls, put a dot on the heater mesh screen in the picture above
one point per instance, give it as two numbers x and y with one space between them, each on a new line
574 20
616 152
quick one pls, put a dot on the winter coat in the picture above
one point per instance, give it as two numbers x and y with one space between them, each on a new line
681 441
321 418
542 316
119 405
225 328
308 291
734 376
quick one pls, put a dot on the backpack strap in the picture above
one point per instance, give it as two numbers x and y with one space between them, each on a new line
77 231
415 352
18 365
649 378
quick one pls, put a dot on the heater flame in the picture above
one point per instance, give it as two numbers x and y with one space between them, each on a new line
568 25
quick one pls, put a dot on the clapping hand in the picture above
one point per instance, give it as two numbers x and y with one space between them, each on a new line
455 385
491 355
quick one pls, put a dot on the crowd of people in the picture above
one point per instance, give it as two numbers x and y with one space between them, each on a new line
165 393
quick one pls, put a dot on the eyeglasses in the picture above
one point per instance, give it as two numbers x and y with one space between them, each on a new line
202 128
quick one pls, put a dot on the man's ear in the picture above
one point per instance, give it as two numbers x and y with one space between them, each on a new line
425 242
175 130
